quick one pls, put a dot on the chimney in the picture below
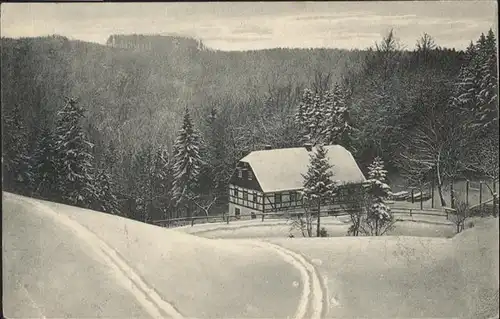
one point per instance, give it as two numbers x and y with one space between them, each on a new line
268 147
308 146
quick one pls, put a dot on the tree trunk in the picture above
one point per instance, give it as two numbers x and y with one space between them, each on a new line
319 215
309 224
440 182
452 194
440 192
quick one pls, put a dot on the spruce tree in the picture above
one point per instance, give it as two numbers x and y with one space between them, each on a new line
162 183
16 161
216 169
74 158
105 180
488 81
379 218
329 120
303 115
143 167
106 199
318 183
44 168
337 128
315 117
187 161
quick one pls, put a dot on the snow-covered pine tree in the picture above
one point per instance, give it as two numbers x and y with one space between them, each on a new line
216 153
302 116
105 186
379 218
76 183
16 161
187 161
315 117
44 167
338 128
329 118
470 52
344 129
162 183
142 192
106 200
466 87
318 184
488 82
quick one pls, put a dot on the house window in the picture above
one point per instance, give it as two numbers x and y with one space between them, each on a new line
240 173
236 192
245 195
277 198
250 175
293 197
237 212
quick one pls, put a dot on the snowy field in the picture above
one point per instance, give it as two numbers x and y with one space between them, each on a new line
416 225
55 255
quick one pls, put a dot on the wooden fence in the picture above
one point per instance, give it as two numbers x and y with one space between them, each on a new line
183 221
473 193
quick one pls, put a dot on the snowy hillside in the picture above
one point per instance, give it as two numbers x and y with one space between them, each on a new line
57 255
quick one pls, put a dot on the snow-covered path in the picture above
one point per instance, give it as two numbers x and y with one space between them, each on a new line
125 275
55 256
49 274
312 293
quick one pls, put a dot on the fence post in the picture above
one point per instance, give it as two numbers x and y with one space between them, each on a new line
262 216
192 221
412 197
467 193
432 192
421 198
410 212
452 193
227 218
480 194
494 199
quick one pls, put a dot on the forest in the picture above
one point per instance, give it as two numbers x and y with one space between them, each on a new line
151 134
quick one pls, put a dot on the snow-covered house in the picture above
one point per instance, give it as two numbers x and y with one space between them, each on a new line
270 180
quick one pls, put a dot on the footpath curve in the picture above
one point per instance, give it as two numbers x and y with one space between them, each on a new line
311 302
313 292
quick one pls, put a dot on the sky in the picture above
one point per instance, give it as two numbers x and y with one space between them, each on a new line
258 25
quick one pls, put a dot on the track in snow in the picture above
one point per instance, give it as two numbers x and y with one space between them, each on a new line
130 280
311 301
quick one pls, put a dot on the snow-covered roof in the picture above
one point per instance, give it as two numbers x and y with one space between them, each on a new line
282 169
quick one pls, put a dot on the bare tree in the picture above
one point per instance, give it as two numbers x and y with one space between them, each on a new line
357 202
203 205
425 43
460 215
439 147
321 81
303 222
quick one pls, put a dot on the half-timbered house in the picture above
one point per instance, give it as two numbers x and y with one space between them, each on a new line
271 180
